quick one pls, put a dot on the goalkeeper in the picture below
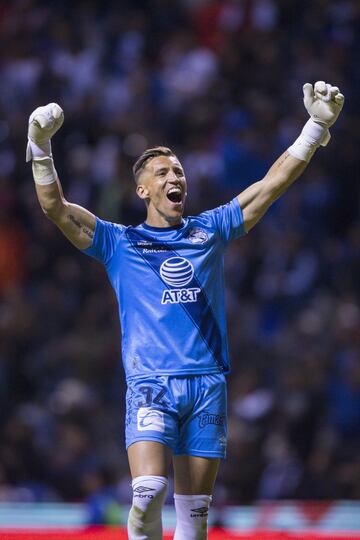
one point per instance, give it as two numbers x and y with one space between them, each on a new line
167 274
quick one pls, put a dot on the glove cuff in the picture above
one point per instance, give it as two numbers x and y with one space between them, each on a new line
316 133
312 136
40 150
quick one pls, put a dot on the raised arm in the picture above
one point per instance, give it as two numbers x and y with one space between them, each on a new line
75 222
324 103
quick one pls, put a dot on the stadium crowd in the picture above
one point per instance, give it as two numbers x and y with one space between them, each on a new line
220 82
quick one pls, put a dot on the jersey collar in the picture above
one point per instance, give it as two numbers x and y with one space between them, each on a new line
164 229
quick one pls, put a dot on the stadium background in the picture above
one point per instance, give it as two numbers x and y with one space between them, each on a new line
220 83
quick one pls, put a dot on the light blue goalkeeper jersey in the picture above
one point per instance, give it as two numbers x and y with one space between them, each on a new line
169 283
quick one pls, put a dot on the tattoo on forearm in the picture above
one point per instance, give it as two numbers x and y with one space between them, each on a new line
78 224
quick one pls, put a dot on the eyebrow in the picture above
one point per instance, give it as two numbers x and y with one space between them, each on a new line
176 168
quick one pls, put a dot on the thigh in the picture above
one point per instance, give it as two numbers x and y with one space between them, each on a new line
194 475
149 458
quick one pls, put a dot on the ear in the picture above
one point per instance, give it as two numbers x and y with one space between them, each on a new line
142 191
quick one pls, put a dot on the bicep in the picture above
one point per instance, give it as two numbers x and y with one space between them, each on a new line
77 224
254 202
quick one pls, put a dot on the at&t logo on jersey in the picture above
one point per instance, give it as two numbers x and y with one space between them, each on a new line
178 272
180 296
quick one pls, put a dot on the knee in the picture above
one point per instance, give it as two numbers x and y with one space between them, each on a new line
149 494
191 516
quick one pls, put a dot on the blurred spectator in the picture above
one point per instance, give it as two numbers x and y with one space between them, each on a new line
219 82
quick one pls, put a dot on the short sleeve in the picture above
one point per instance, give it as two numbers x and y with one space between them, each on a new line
227 220
105 241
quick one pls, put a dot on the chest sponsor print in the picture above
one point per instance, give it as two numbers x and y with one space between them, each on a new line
177 271
182 287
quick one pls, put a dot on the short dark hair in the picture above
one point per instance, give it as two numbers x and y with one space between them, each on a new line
148 154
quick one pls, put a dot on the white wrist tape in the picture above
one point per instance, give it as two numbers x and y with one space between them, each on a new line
43 169
312 136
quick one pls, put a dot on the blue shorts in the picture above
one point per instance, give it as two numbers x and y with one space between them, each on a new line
186 413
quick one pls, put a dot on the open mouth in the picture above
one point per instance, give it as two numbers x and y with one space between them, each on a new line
174 195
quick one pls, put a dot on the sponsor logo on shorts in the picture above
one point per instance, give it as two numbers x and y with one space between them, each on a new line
150 420
200 512
206 418
197 236
142 492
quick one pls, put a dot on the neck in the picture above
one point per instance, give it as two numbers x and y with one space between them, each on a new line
156 219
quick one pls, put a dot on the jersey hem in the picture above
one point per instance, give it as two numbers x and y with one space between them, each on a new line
177 373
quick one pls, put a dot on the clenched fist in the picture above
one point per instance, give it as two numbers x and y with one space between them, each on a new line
323 102
44 122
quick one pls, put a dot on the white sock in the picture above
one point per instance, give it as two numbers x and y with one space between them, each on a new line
191 516
149 493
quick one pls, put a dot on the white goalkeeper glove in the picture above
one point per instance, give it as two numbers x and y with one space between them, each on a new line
323 102
44 122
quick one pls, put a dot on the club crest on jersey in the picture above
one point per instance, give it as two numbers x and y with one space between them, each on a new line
178 272
197 236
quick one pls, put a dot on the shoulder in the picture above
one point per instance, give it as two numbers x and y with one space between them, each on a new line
226 220
107 236
109 227
205 219
209 218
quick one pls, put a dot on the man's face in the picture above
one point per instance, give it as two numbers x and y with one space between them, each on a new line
163 185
